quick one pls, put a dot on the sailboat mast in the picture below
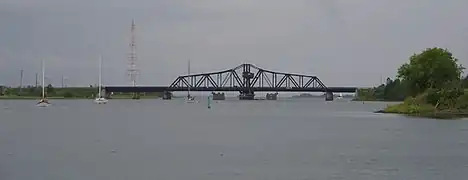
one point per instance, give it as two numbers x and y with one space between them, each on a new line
100 76
43 79
188 87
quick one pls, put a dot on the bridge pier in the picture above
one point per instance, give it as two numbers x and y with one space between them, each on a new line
247 93
218 96
167 95
246 96
329 96
272 96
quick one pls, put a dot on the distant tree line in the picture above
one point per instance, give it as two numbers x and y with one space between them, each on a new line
65 92
50 91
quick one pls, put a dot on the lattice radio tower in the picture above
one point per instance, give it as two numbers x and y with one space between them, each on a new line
132 59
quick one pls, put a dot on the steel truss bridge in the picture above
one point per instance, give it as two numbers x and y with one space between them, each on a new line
245 79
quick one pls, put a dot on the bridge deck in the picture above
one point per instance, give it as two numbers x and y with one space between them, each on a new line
255 89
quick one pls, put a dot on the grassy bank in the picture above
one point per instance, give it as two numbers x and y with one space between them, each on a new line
424 110
374 100
419 107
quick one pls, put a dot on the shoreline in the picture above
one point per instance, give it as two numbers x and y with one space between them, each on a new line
424 111
69 98
431 115
376 100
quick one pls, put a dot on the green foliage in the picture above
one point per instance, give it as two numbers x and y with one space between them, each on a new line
431 81
434 73
393 90
366 94
433 68
68 94
462 102
447 97
50 90
410 106
433 96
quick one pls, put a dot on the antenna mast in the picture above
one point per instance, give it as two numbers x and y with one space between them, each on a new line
132 70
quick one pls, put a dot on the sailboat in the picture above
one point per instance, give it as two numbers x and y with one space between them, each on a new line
190 99
100 99
43 102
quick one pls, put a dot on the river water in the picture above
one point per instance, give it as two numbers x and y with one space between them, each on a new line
290 139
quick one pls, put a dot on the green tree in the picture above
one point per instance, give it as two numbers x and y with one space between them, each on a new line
445 98
432 68
50 90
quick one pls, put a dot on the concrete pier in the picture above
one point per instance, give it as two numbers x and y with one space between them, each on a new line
218 96
246 96
328 96
272 96
167 95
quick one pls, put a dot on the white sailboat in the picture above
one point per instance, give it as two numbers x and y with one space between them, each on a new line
43 102
99 99
190 99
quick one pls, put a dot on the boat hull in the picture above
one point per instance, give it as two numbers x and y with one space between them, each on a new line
191 101
42 104
100 101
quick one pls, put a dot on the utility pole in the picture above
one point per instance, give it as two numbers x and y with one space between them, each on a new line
62 81
132 69
21 83
132 59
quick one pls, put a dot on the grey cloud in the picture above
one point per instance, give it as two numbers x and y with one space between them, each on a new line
343 42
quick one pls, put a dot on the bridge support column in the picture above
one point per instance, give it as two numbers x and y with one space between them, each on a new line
246 95
329 96
167 95
218 96
272 96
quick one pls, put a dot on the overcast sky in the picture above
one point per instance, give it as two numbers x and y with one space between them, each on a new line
343 42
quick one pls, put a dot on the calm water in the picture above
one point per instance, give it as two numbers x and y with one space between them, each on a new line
254 140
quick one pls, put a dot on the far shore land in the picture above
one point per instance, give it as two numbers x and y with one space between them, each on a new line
70 98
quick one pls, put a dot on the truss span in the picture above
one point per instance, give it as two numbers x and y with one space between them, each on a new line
248 76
